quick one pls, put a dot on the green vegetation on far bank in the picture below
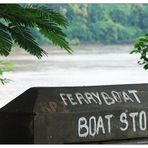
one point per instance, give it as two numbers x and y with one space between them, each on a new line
102 23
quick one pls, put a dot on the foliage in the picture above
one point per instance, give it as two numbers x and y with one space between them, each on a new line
141 47
104 23
16 27
5 67
20 20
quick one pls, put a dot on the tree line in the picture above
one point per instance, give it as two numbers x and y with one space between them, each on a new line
102 23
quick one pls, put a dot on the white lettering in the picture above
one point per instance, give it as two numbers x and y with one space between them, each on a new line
116 96
82 127
108 117
135 95
92 126
133 115
142 120
63 98
126 97
108 100
123 119
89 97
97 96
100 125
80 97
69 96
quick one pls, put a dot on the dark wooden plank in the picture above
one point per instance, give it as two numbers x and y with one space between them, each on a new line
98 113
77 114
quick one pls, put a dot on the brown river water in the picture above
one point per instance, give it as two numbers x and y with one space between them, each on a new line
88 65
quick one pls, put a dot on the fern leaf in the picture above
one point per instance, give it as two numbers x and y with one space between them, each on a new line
5 43
24 38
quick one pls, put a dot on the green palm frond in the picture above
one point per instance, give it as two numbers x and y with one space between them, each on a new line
44 13
19 22
15 14
29 16
56 39
24 38
5 42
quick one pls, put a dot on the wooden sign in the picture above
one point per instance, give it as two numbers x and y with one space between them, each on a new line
76 114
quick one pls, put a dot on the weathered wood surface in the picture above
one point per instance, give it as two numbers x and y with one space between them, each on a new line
94 114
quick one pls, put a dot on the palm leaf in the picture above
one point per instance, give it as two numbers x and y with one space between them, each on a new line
56 39
29 16
46 13
5 42
16 15
19 19
15 22
24 38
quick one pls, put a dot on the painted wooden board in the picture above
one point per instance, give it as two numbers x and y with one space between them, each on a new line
76 114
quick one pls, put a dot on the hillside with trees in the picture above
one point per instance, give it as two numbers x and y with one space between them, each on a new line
102 23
